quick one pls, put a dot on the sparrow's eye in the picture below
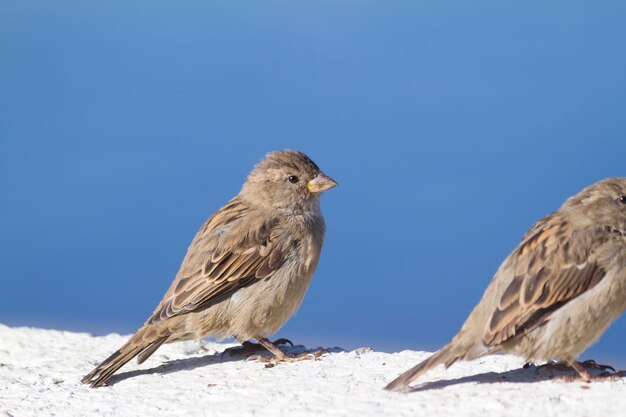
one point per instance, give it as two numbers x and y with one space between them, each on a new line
292 179
622 198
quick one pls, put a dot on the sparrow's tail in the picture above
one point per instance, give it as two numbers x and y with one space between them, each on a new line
461 347
140 344
402 382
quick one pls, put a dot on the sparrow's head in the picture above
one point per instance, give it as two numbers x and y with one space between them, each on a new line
286 180
603 203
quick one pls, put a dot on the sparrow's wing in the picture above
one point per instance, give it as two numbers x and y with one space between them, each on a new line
233 249
553 265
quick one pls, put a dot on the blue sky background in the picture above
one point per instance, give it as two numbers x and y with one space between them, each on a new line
451 127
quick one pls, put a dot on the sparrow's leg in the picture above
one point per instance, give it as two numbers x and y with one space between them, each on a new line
583 373
248 348
280 356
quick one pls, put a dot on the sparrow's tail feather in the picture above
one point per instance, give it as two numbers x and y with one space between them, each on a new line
447 356
150 349
137 344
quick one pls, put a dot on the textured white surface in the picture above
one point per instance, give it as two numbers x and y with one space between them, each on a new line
40 372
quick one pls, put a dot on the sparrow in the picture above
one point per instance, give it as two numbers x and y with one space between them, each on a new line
246 270
555 294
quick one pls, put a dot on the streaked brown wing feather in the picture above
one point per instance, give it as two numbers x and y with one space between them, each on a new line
221 260
553 265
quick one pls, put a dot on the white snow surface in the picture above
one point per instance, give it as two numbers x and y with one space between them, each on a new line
40 372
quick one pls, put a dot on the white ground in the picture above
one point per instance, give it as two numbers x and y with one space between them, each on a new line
40 372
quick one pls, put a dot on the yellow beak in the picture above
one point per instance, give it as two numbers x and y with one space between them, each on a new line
321 183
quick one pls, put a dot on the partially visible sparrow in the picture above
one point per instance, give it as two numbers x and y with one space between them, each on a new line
248 268
556 293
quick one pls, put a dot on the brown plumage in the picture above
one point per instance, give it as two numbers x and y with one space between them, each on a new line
248 267
556 293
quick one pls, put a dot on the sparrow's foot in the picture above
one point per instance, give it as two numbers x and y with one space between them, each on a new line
607 373
248 348
287 357
280 356
583 371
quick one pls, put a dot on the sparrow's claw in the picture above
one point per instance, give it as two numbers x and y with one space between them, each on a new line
283 341
591 364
